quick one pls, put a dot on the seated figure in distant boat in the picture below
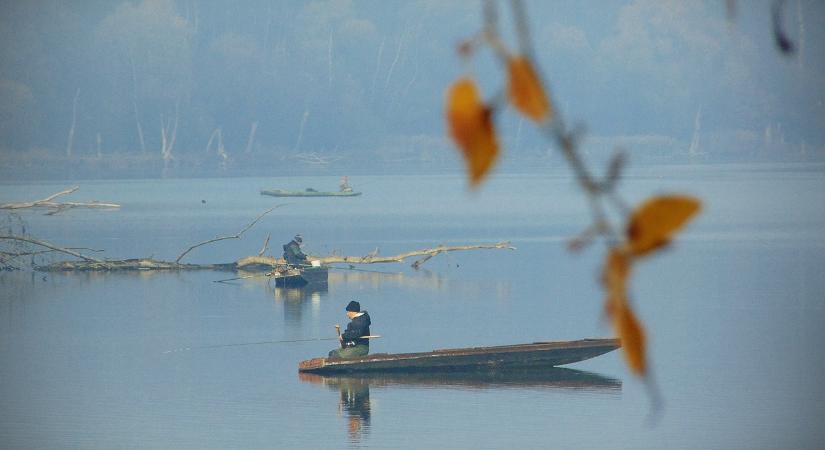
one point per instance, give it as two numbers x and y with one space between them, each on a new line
293 254
344 185
353 340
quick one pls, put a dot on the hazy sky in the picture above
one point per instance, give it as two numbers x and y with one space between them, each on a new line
355 77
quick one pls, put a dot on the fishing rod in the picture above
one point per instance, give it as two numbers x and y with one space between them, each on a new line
268 274
242 344
345 268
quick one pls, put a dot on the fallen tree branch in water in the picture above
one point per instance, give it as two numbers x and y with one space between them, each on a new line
235 236
51 246
128 265
372 258
58 206
251 262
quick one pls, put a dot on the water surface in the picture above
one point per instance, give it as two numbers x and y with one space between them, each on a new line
734 312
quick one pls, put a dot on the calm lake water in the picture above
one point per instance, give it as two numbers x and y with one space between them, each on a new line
734 311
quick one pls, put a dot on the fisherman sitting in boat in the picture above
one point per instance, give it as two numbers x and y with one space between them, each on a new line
293 254
344 185
353 340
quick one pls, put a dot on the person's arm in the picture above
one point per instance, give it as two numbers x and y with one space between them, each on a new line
353 331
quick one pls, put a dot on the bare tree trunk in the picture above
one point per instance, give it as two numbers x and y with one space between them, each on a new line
135 107
329 61
251 139
212 138
221 150
74 122
168 134
301 130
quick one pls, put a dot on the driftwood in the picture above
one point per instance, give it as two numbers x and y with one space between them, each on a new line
248 263
58 206
372 258
127 265
88 263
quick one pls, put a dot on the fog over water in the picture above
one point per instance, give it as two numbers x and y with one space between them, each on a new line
89 89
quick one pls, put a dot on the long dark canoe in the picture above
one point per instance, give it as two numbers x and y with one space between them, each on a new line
539 354
297 277
308 193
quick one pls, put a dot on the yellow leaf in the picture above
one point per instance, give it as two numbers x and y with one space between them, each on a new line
631 334
655 221
471 127
525 90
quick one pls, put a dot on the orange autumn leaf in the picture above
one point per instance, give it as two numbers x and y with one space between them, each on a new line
655 221
525 90
616 271
471 128
631 334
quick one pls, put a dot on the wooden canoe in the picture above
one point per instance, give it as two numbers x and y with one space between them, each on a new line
538 354
307 193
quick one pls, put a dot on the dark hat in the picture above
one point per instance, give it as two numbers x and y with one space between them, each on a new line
354 306
298 238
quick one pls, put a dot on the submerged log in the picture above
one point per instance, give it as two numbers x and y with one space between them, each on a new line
128 265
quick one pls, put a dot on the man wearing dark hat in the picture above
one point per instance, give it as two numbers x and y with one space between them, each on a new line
292 252
353 342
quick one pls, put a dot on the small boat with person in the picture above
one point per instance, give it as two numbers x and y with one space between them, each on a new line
344 190
291 276
309 192
537 354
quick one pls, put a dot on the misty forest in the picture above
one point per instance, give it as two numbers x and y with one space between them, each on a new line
164 88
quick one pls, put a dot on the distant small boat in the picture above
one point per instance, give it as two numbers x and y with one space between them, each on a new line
308 193
301 276
538 354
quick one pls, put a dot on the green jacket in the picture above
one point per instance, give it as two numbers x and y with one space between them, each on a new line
293 254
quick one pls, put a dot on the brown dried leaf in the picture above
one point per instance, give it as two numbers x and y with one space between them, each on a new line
525 90
631 334
656 220
471 127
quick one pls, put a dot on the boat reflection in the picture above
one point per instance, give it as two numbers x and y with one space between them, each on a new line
355 389
299 301
421 279
542 378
